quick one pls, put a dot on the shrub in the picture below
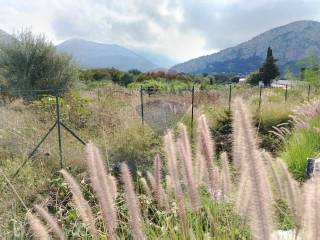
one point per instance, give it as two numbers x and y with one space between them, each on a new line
254 78
161 84
31 62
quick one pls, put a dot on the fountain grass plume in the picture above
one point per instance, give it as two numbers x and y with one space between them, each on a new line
39 231
159 192
113 186
186 156
201 172
171 157
132 203
170 150
51 221
243 194
157 175
291 186
310 216
169 185
82 205
206 147
103 188
274 174
145 187
161 197
151 180
226 176
259 211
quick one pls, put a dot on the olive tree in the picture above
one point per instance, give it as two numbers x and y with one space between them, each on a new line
30 62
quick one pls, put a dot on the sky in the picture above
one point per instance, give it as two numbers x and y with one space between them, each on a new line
179 29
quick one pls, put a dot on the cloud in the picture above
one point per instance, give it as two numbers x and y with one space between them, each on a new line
228 24
181 29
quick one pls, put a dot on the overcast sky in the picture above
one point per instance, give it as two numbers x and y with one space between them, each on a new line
182 29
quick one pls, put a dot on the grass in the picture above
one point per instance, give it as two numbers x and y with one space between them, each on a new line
108 116
216 219
303 144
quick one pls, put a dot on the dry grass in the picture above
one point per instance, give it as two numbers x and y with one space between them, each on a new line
184 189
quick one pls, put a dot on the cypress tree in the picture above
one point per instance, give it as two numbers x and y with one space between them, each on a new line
269 69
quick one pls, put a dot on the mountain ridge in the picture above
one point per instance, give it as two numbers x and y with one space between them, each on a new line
89 54
289 42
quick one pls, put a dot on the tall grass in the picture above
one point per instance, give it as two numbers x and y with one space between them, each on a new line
304 140
256 195
198 201
188 210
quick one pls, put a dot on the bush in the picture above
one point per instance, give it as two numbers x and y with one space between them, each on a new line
161 84
31 62
98 74
254 78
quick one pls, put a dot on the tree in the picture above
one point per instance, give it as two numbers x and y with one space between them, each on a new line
254 78
31 62
310 66
126 78
269 69
289 75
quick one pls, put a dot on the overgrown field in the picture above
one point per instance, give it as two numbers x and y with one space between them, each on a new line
237 174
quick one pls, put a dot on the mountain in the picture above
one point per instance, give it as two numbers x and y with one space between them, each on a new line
162 60
99 55
289 43
5 37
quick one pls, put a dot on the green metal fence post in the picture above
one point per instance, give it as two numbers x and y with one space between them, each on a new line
309 88
141 101
286 94
230 89
59 129
260 98
192 109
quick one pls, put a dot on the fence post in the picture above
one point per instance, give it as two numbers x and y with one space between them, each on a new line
98 93
59 128
286 93
309 88
260 98
192 109
141 101
230 89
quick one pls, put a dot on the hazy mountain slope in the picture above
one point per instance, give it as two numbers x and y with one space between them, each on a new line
289 43
5 37
97 55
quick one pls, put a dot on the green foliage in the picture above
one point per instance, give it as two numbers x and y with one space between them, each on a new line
222 131
310 66
289 75
32 62
284 217
111 74
269 69
126 78
95 75
100 74
73 108
254 78
303 144
136 145
161 84
271 115
309 61
311 76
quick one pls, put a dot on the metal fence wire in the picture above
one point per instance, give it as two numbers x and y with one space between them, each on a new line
111 110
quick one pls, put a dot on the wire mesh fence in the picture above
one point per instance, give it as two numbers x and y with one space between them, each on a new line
50 122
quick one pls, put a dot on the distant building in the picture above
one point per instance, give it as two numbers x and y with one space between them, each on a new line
242 80
281 83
